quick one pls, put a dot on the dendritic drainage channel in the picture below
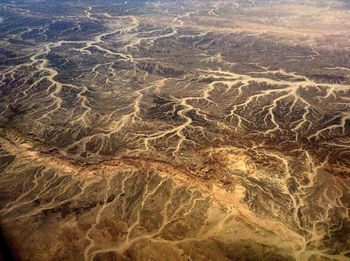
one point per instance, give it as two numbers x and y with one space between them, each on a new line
175 131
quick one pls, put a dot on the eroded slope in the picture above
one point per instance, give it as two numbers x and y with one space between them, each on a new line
143 130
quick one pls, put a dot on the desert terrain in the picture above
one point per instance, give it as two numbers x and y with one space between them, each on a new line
175 130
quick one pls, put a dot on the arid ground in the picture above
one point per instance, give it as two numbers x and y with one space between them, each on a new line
175 130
